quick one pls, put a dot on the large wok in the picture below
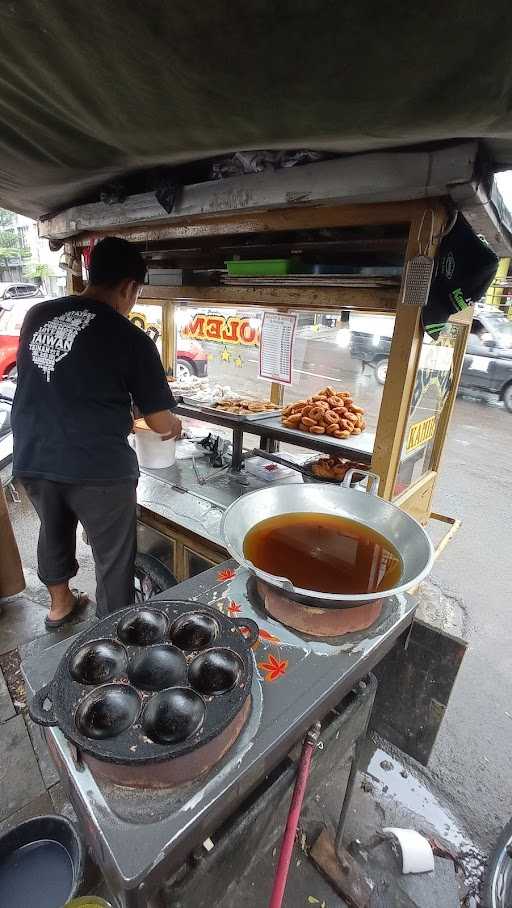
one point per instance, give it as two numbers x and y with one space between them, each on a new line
405 533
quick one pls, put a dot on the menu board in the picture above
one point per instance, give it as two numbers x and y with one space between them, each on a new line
276 347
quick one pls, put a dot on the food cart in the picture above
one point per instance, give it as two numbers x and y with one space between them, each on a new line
101 107
348 258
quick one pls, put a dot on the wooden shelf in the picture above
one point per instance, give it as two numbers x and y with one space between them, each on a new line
381 299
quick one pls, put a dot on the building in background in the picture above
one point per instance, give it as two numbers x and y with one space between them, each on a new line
24 256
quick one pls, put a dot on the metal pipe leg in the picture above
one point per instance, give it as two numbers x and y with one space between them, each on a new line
237 458
358 746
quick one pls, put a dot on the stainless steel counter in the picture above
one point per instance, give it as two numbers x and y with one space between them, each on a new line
176 495
140 837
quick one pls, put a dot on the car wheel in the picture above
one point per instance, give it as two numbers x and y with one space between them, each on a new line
151 577
184 369
507 397
381 370
12 373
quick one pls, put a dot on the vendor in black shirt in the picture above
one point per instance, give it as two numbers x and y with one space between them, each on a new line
81 365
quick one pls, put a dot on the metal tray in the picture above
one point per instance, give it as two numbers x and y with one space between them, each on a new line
362 444
245 417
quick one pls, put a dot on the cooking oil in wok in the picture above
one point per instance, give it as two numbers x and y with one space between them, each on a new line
325 553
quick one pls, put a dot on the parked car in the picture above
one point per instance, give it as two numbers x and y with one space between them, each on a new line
11 320
7 389
191 359
13 291
487 364
190 356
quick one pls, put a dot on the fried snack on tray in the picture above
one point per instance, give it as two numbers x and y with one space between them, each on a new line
240 406
335 468
329 412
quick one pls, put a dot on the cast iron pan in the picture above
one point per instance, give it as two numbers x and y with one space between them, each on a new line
150 683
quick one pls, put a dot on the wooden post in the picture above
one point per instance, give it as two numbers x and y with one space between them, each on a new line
74 280
463 321
169 336
403 360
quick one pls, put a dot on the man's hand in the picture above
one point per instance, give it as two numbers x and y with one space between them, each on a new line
164 423
175 432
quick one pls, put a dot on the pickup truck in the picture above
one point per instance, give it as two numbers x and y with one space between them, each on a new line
487 364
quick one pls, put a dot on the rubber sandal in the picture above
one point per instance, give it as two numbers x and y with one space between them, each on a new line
81 600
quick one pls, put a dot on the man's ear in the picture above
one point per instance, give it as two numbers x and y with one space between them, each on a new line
127 288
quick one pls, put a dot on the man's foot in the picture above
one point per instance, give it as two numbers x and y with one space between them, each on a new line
78 602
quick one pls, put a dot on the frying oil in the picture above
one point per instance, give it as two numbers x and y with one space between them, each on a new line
325 553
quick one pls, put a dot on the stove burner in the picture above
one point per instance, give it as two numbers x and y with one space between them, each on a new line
215 671
107 711
318 622
98 661
194 631
143 627
173 715
158 667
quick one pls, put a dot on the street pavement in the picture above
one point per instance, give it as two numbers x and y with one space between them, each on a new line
471 758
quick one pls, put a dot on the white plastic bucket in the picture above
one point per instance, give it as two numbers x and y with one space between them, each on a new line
152 451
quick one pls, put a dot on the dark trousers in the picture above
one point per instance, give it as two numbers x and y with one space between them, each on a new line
108 515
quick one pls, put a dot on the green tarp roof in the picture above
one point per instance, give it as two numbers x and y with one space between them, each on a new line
90 89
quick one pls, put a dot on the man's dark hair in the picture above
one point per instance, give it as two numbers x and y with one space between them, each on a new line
114 260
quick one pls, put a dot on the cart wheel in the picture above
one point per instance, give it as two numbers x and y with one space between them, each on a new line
381 370
497 887
151 577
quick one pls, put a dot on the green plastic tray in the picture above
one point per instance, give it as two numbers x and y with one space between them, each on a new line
260 267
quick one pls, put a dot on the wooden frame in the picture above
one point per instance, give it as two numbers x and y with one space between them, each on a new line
424 220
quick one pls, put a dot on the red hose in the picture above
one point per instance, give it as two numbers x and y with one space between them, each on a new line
285 855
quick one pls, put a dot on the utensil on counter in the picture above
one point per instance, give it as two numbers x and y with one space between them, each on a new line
306 470
400 529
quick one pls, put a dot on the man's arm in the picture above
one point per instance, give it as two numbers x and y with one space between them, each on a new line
149 388
164 423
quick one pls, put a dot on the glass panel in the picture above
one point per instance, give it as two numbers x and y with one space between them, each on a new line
348 351
221 345
148 316
151 542
196 564
432 385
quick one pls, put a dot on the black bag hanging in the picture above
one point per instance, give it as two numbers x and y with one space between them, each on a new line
465 268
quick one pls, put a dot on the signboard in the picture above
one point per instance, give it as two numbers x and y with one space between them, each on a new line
276 347
231 329
420 432
431 389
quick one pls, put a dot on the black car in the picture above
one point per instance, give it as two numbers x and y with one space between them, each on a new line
487 363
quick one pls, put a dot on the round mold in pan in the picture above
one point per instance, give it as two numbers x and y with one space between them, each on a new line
157 667
194 631
107 711
173 715
142 627
215 671
98 661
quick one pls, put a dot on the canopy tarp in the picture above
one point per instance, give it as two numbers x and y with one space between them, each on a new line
92 90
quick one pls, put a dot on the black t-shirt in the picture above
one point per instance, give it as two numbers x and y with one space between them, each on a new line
80 365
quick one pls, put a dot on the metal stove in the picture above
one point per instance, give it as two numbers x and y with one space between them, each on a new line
140 837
